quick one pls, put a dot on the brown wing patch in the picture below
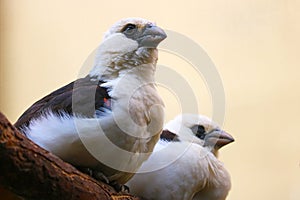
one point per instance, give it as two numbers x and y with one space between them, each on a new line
81 97
169 136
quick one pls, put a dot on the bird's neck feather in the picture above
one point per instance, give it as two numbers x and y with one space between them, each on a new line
142 62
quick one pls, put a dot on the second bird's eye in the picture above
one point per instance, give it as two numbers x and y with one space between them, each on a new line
129 27
200 132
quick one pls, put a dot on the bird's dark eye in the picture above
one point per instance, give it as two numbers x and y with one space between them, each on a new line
129 27
199 131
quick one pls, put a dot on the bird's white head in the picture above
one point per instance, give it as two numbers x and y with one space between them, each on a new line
142 31
199 129
129 43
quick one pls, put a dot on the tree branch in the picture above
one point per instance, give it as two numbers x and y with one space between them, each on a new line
33 173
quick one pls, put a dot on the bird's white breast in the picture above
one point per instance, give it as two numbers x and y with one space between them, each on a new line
185 169
121 138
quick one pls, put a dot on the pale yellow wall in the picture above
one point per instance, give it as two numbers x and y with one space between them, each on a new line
253 43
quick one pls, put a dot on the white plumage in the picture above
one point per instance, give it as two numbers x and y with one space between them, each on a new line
110 120
187 167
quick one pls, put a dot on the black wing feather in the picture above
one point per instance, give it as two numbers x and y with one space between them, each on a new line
81 97
169 136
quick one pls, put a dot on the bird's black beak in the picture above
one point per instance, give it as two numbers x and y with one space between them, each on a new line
218 139
152 35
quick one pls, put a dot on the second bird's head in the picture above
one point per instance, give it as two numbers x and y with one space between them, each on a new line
199 129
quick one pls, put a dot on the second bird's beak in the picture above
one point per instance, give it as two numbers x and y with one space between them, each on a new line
151 36
218 139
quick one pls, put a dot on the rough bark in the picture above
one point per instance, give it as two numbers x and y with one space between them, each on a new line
33 173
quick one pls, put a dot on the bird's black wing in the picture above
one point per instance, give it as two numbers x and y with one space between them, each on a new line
81 97
169 136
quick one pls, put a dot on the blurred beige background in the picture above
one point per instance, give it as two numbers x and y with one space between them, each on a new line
254 45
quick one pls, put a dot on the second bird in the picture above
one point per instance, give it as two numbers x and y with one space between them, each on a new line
184 165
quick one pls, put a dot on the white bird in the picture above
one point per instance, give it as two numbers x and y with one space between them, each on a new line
110 120
184 163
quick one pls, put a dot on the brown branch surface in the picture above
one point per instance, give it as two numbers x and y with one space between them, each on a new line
33 173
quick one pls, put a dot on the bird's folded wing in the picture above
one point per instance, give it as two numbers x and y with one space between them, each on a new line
81 97
169 136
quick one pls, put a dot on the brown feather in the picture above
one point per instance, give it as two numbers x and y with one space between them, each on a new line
81 97
169 136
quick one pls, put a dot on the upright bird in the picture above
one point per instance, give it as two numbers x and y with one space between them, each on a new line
110 120
184 164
